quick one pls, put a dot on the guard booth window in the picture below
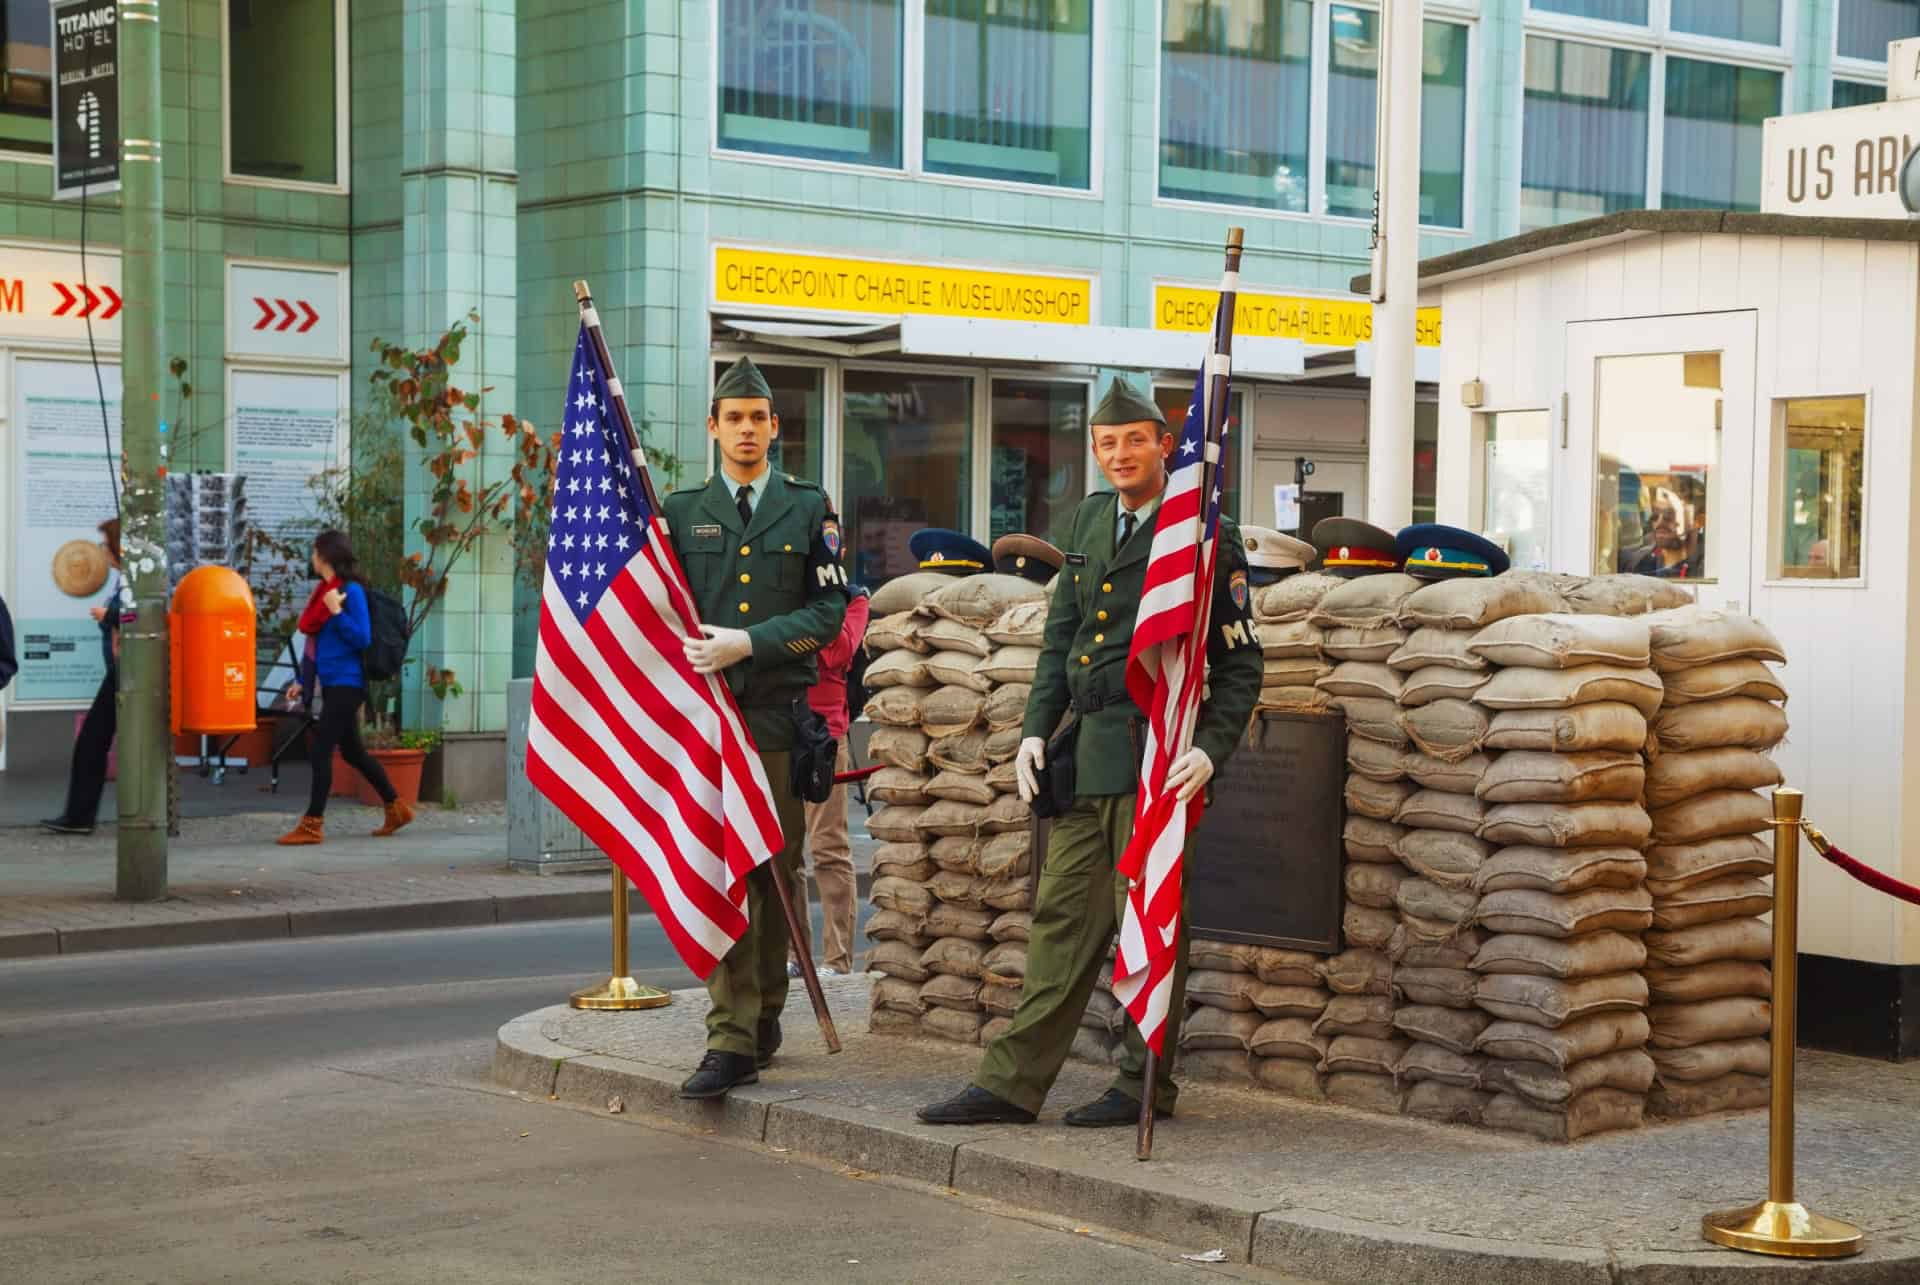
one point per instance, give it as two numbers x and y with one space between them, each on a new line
26 80
1657 430
1819 464
1513 477
282 110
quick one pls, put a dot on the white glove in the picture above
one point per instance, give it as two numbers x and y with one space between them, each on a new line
1027 762
1190 773
720 648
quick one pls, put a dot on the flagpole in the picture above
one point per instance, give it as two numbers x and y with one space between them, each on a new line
1211 462
590 318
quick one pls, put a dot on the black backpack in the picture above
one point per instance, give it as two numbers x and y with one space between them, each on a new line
384 655
857 692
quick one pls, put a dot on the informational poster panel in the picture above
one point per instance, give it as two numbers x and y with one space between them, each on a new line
287 432
63 490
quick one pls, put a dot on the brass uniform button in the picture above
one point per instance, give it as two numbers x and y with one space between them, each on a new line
745 549
1086 660
1107 587
1101 614
744 609
745 578
787 548
1099 638
1076 577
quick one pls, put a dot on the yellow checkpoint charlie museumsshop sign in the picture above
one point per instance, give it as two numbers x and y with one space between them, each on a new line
820 283
1339 323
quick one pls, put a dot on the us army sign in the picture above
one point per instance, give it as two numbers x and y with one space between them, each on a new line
1839 164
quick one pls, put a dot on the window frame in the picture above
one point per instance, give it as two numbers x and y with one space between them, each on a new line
913 14
11 156
1454 12
1848 67
1774 576
342 113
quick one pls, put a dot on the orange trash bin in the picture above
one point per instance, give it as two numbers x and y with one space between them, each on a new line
211 627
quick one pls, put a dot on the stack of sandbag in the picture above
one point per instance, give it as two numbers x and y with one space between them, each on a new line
1250 1016
1102 1023
1562 895
1290 643
1707 955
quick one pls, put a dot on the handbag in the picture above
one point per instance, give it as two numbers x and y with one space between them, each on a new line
810 764
1054 786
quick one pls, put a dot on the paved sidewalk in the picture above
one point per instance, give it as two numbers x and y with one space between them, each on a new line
1323 1192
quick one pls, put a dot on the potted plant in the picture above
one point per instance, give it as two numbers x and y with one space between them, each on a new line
403 755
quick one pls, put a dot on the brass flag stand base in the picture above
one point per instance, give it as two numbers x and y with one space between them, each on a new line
1780 1225
619 992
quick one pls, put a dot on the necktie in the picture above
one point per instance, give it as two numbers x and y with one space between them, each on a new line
743 500
1127 523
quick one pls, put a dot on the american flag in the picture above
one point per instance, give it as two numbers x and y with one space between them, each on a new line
1166 670
648 758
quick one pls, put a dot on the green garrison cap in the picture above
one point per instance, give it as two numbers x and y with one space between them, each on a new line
1124 405
743 379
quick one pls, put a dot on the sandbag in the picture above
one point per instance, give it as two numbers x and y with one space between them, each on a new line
1003 778
1713 815
1283 967
1688 637
1713 901
1440 810
1588 955
957 852
1455 950
1671 867
1435 987
1530 776
898 747
1295 640
1550 1001
1290 1001
1367 602
949 817
891 925
1366 926
1595 1111
1364 1091
1288 1037
1432 1062
950 709
1446 729
887 1021
1446 857
1022 625
1474 603
1011 925
1216 1028
971 922
1092 1046
1629 1070
1450 1028
898 959
1008 855
1294 673
1601 725
1367 839
1380 800
1006 705
979 600
899 668
1721 679
904 593
1458 777
1368 1054
902 861
1560 870
1445 1101
961 1026
1565 688
1750 1056
1007 812
1293 1077
889 633
1440 682
1679 1099
1720 979
902 896
959 752
1221 956
1743 938
1002 744
1428 646
1015 893
1625 595
896 995
1558 641
1217 1066
1294 700
1731 720
942 636
1567 825
1360 972
962 787
951 990
894 706
1373 645
1214 989
1372 885
1673 777
1012 663
1377 720
1545 914
897 785
956 956
1374 759
1425 899
1564 1046
1734 1017
1294 597
1000 1001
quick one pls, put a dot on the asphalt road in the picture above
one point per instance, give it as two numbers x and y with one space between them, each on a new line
319 1110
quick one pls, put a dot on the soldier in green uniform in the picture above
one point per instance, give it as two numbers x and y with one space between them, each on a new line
1083 661
761 551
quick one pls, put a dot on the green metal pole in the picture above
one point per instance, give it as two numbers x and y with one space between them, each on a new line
145 740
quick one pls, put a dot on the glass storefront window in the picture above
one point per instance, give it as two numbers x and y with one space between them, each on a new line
1857 93
1633 12
283 113
1583 146
1352 73
1009 90
1236 90
1657 434
906 463
1755 21
1712 134
1172 399
812 78
1515 485
1038 469
1426 459
26 79
799 399
1866 27
1821 468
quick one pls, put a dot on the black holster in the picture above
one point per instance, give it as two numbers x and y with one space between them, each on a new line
1056 784
810 765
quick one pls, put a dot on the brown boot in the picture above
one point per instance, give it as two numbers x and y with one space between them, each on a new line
308 831
399 812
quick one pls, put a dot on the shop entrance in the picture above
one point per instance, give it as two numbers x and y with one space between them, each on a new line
1653 483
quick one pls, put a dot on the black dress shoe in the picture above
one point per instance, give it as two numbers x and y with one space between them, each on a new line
717 1073
1109 1110
60 825
766 1040
974 1105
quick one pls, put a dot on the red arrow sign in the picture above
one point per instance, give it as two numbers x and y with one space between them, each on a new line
93 300
289 316
313 318
113 303
67 300
266 313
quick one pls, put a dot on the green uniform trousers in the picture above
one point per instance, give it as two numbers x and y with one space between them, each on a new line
749 985
1075 916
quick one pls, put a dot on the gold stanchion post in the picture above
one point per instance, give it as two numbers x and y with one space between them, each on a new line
620 991
1781 1225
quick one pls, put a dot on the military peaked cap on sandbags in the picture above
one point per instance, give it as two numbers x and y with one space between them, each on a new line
1124 404
1027 555
1273 555
742 379
939 549
1352 548
1432 551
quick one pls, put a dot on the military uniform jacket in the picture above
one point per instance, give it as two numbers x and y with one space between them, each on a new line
1083 659
779 578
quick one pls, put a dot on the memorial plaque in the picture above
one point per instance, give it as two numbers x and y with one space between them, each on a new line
1266 865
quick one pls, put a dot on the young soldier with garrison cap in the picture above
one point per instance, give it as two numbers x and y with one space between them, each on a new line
1083 661
761 551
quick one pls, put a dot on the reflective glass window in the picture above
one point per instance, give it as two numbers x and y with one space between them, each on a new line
1756 21
1236 89
1039 458
1714 116
1632 12
812 78
1352 76
1008 90
1866 27
26 78
1583 143
1515 485
284 85
1657 437
906 463
1821 467
1857 93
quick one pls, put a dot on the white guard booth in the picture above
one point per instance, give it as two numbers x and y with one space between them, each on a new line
1728 399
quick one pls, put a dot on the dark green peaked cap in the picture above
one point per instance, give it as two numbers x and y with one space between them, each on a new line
743 379
1124 405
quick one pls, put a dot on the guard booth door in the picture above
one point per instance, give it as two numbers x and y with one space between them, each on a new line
1657 452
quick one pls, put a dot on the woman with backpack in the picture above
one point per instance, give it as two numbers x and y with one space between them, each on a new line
338 627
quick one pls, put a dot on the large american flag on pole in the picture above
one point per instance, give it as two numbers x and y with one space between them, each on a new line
1166 672
648 758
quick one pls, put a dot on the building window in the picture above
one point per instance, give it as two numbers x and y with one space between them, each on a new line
1353 64
1631 12
1007 90
26 81
1857 93
1711 141
1864 28
1820 466
1236 92
1426 460
283 83
1657 434
1583 140
1173 399
1515 484
1752 21
907 463
812 78
799 399
1039 456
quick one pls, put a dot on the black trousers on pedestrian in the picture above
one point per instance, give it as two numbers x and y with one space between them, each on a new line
337 726
89 775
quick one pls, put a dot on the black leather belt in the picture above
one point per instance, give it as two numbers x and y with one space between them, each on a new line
1097 701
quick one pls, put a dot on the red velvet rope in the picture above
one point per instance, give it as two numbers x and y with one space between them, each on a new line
858 774
1864 873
